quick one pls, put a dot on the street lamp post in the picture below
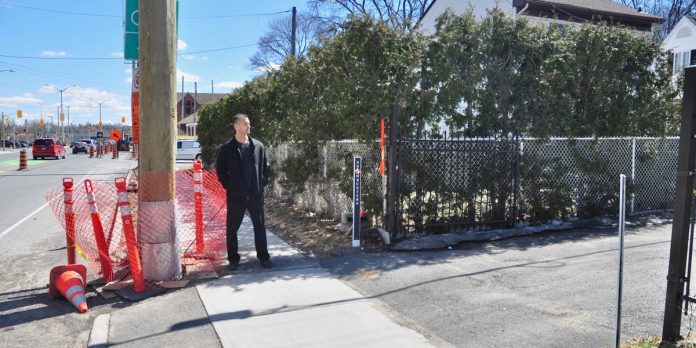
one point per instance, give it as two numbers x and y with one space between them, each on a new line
61 104
69 132
100 120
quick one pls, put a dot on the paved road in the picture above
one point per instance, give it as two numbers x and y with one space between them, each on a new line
31 243
553 290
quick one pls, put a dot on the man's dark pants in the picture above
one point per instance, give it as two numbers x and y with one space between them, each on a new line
236 206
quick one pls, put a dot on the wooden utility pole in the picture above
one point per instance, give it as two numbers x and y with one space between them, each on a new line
679 247
157 53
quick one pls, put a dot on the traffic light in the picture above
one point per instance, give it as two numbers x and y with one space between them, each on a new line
62 117
123 119
19 114
100 124
41 121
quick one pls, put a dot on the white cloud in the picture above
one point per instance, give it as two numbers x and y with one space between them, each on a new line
47 90
24 99
269 68
228 85
187 77
194 57
129 70
116 54
54 53
181 45
84 105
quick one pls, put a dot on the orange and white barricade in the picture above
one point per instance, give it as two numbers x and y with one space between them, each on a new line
198 204
129 230
69 218
102 247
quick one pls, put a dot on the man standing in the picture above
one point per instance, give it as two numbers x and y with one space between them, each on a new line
242 168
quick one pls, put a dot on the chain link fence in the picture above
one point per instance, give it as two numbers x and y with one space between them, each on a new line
477 184
325 188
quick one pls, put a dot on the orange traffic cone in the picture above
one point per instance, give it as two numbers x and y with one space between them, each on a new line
69 281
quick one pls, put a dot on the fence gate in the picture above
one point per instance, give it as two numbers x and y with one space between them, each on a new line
455 185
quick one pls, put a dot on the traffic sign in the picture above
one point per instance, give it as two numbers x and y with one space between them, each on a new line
115 135
136 80
100 134
130 50
130 36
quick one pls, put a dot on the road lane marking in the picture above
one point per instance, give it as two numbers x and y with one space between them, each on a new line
9 229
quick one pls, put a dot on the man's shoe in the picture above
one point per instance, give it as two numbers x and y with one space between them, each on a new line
266 264
233 266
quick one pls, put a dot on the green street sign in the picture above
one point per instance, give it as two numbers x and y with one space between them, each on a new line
130 39
130 49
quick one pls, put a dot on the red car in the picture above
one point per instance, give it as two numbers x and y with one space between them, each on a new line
47 147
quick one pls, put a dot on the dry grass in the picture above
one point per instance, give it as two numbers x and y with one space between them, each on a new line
655 342
314 235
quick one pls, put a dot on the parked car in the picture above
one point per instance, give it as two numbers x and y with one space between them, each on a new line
21 143
47 147
188 149
89 142
8 144
79 147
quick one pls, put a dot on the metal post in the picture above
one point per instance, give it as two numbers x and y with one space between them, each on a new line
682 207
357 193
181 114
392 174
69 131
293 37
619 276
2 119
195 105
633 176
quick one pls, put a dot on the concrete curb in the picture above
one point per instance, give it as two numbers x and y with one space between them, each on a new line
99 336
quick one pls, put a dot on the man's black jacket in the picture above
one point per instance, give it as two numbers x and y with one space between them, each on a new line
230 170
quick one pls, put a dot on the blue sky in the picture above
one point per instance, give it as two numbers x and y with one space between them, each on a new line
42 29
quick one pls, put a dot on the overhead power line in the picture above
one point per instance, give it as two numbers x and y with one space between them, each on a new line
117 58
60 11
119 16
217 49
239 15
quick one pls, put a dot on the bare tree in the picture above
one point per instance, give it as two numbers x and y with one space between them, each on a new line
275 45
671 11
399 13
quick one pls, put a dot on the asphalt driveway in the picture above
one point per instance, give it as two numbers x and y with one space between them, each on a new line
551 290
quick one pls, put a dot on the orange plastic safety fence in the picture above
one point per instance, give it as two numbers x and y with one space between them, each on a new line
165 230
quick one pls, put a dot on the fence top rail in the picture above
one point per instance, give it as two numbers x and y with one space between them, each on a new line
603 138
489 139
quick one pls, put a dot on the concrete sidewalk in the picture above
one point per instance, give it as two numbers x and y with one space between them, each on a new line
294 304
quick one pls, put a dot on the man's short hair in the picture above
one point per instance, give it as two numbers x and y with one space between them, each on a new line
238 117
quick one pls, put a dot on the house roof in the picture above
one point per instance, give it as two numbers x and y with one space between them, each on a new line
603 6
203 98
667 43
189 119
599 6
